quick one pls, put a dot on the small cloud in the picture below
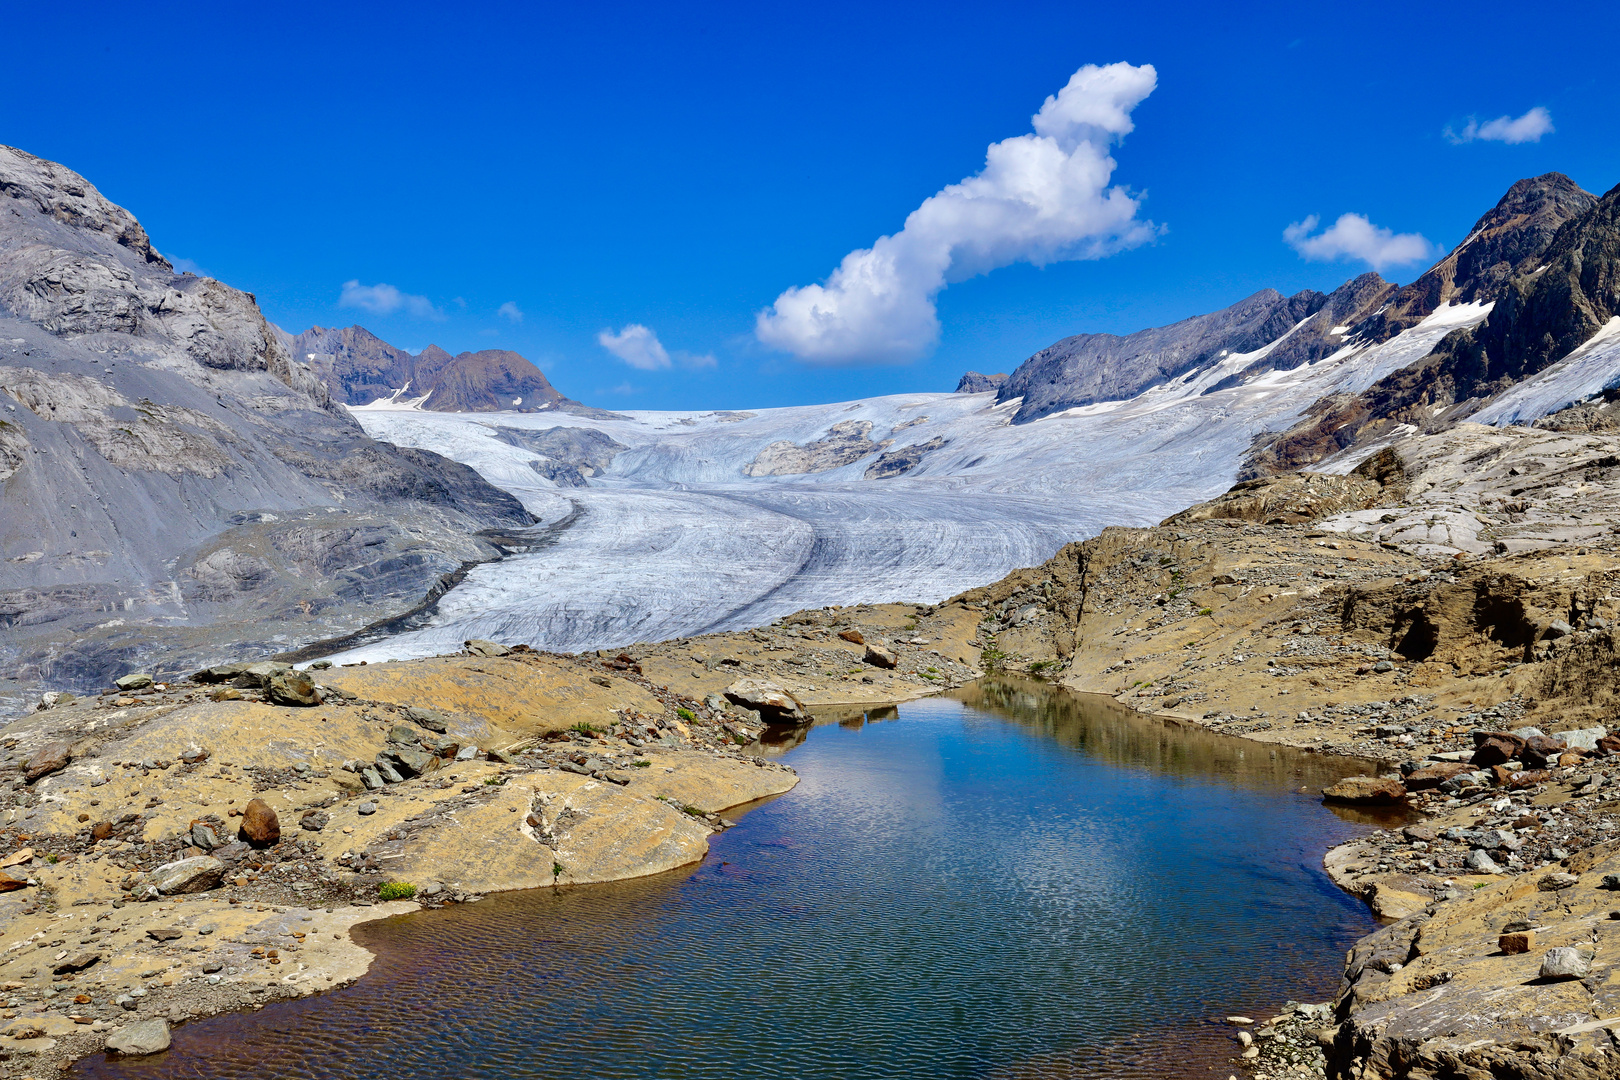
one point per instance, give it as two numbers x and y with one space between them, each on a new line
686 359
186 266
383 299
1354 237
509 310
622 388
637 346
1505 129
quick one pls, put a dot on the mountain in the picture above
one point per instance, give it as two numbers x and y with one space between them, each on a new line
1306 327
359 368
171 478
1547 258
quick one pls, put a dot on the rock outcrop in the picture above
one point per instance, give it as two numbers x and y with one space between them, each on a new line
845 443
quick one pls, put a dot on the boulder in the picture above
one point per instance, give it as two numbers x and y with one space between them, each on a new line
1432 776
47 759
194 755
142 1037
1566 962
196 874
292 688
203 836
1542 750
852 636
1609 744
314 820
9 883
774 704
1365 791
133 682
260 826
54 699
75 963
1480 862
1496 747
1582 738
878 656
401 735
431 719
257 676
480 647
101 830
219 673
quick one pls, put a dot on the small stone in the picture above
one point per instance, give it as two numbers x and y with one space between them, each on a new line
203 836
1480 862
77 963
852 636
260 826
10 884
143 1037
314 820
774 704
881 657
1383 666
1566 963
54 699
431 719
366 809
1556 882
1514 944
1610 881
133 682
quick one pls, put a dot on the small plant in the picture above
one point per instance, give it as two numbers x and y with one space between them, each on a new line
1042 665
396 890
1206 611
926 675
556 872
53 859
641 764
583 728
992 658
686 714
494 781
690 809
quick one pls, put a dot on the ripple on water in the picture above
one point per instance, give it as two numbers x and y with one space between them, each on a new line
1014 885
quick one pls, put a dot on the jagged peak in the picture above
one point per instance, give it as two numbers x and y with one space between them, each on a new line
62 194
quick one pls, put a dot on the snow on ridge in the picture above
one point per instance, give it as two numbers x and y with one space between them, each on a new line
1586 372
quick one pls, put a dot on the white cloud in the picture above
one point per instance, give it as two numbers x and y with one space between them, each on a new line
637 346
1354 237
1040 198
1507 129
386 300
511 311
706 360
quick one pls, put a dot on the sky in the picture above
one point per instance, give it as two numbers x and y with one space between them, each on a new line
745 205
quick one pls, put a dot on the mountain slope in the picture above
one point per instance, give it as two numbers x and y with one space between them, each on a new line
169 476
360 368
1552 292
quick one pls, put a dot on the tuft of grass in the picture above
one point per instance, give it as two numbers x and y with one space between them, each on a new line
641 764
53 859
686 714
556 872
1042 665
1206 611
396 890
494 781
690 809
992 658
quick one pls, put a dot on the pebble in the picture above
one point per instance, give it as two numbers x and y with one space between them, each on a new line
365 809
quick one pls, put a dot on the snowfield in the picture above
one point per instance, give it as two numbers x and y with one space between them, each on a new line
673 538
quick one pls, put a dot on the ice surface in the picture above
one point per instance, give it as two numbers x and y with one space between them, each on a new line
674 539
1588 371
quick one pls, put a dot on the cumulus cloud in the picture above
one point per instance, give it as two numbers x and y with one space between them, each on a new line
637 346
1040 198
511 311
1507 129
1354 237
384 299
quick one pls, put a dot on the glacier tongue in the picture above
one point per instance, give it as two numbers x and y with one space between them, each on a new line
673 538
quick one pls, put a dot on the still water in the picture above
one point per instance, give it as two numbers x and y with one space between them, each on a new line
1010 883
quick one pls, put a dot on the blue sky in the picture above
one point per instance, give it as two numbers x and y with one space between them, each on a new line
600 167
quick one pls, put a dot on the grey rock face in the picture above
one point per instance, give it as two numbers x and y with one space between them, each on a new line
975 383
901 461
845 442
568 455
164 457
1088 368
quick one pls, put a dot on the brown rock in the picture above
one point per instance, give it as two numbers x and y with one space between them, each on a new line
1542 750
878 656
50 757
293 688
1571 757
76 963
260 826
1609 744
1527 778
9 883
1514 944
852 636
1496 748
1432 776
1365 791
101 830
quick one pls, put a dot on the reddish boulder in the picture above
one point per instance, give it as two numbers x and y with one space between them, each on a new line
1366 791
1495 748
260 826
49 758
854 637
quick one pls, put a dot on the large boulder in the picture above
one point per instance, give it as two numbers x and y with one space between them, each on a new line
54 699
141 1037
1582 738
194 875
47 759
1541 751
260 826
219 673
479 647
774 704
292 688
1496 747
133 682
257 676
432 719
879 656
1365 791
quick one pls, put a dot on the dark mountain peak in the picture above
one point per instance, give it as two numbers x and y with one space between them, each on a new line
359 367
976 383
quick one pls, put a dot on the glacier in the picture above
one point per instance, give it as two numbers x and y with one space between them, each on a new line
673 539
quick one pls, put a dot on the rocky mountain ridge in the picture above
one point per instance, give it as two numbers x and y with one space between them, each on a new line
359 368
170 476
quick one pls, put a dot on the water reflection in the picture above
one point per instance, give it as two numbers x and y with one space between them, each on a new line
1015 884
